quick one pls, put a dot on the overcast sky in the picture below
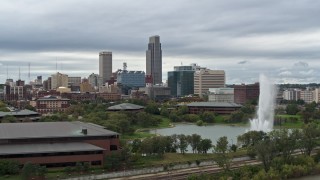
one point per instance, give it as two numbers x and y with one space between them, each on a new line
280 38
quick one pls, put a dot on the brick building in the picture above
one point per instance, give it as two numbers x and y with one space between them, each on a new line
56 144
243 93
215 107
50 104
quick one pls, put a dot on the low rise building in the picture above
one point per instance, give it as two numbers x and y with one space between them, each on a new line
215 107
24 115
157 93
126 107
109 96
57 144
221 95
51 104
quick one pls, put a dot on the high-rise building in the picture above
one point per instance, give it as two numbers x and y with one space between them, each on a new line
59 80
181 80
154 60
206 78
105 66
95 80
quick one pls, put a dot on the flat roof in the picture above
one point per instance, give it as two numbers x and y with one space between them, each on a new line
24 112
46 148
212 104
51 130
125 106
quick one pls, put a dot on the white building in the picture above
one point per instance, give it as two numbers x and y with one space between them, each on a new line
221 95
291 95
316 95
307 96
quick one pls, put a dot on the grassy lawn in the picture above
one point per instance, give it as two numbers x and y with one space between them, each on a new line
9 177
289 123
286 116
136 135
165 123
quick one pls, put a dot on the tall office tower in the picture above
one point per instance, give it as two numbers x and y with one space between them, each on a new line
205 79
154 60
59 80
105 66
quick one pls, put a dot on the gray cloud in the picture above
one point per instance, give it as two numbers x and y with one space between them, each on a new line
242 62
218 34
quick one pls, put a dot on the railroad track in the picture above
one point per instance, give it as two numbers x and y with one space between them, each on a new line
185 173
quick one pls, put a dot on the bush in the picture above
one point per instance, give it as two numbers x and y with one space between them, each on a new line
9 167
200 123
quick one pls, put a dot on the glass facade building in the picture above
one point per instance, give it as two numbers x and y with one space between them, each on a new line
181 82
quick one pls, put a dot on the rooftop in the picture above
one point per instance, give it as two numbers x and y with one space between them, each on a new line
24 112
212 104
51 130
46 148
125 106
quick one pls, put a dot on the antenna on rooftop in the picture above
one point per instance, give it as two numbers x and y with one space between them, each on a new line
7 73
19 74
29 71
56 64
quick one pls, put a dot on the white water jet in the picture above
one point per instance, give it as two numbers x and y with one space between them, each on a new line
265 113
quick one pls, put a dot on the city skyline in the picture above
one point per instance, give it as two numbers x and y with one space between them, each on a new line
244 38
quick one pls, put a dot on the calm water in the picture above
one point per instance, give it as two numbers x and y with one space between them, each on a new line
213 132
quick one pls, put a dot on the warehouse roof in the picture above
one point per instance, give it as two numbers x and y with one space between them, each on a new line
51 130
125 106
24 112
46 148
211 104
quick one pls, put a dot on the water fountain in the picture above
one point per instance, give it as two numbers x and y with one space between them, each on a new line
265 113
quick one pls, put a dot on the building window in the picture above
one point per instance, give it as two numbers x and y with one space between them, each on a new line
113 147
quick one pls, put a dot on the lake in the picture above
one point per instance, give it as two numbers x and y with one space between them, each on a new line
213 132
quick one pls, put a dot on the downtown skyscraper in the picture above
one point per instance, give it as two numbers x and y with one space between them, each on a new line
105 66
154 60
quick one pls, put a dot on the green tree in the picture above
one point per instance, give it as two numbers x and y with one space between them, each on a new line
174 117
292 109
9 167
183 143
136 145
113 161
309 134
152 108
194 141
204 146
182 110
266 151
28 170
285 142
9 119
223 159
207 117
